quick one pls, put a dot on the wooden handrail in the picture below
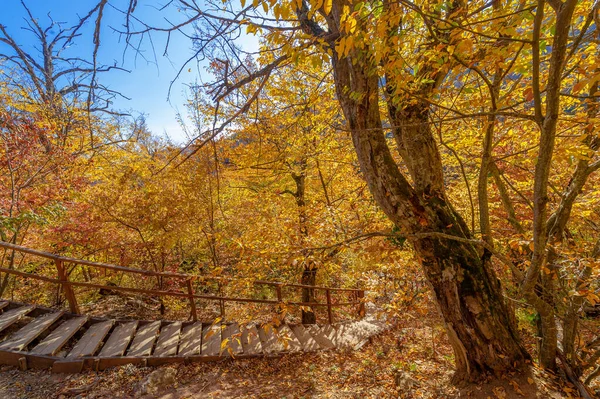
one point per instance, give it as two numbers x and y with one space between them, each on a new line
182 276
168 293
184 279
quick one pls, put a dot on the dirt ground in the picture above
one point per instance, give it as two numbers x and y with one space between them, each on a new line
400 363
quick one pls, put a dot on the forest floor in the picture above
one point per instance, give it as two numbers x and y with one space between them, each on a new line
410 360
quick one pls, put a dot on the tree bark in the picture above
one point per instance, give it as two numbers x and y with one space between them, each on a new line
309 276
547 124
468 293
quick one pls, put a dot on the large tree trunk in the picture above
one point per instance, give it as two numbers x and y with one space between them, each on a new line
469 295
470 299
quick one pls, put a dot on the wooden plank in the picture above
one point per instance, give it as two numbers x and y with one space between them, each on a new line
191 340
353 335
143 342
251 341
3 304
67 366
211 340
168 340
328 331
20 339
91 340
119 340
10 317
231 340
270 339
320 336
59 337
306 340
343 333
288 339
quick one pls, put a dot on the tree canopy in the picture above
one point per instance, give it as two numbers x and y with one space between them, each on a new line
364 138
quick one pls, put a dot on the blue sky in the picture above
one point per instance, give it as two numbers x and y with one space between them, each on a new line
148 83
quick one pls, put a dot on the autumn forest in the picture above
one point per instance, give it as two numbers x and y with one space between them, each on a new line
429 167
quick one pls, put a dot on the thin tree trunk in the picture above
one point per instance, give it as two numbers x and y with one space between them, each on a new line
309 273
309 276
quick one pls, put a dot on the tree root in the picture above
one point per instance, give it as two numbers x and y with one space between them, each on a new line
572 377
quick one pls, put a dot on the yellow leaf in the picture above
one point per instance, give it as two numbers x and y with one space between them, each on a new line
351 25
327 6
349 44
578 86
339 47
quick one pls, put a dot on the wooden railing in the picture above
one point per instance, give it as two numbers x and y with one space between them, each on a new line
185 284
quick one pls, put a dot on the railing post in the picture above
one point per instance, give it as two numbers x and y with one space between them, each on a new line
280 301
221 302
68 290
191 298
361 305
329 314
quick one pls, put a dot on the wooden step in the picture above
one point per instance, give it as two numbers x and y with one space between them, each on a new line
306 340
20 339
119 340
328 331
231 340
341 336
288 339
10 317
320 334
251 341
211 340
3 304
91 340
270 339
191 340
353 335
143 342
59 337
168 340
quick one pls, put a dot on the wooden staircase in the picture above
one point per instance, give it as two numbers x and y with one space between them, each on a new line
33 336
40 337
